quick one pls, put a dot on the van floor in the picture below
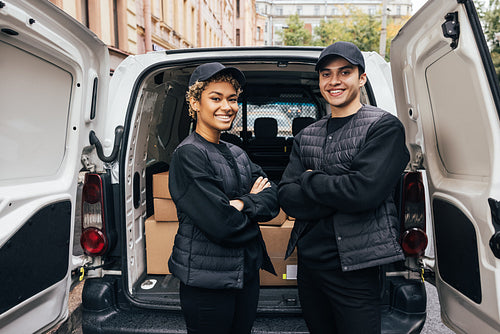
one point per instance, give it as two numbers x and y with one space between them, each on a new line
164 290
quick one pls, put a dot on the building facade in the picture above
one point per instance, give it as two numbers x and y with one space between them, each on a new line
311 12
139 26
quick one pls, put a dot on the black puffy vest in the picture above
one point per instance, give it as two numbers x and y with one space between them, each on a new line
197 261
364 239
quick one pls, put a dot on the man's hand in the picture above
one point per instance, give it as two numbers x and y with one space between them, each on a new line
237 203
260 184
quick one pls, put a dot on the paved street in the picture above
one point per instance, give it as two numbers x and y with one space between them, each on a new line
433 324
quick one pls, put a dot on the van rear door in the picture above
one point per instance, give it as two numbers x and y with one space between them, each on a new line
52 72
448 99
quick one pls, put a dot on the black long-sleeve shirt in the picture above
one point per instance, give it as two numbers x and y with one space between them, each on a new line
199 194
316 196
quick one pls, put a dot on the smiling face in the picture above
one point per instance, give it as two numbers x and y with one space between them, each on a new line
215 110
340 83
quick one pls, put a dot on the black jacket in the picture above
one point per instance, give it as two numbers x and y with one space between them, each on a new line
344 207
216 245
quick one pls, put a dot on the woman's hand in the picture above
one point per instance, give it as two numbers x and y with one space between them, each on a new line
260 184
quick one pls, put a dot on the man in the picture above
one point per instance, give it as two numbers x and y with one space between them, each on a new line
339 186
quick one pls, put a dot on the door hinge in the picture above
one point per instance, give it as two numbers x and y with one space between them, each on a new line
495 219
98 146
451 28
417 162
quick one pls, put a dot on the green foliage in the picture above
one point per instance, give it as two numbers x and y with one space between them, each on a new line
353 26
490 17
296 34
491 21
358 27
495 57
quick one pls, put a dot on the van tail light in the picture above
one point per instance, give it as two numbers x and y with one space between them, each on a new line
413 231
93 239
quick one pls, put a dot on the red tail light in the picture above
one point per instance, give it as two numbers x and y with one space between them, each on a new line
93 240
414 242
413 232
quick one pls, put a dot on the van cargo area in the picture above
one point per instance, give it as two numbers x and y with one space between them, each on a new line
136 276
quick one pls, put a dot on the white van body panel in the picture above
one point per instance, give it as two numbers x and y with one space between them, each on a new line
48 63
451 120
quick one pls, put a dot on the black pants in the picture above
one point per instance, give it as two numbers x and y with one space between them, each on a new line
220 311
336 302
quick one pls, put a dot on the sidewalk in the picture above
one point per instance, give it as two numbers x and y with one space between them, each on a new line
73 324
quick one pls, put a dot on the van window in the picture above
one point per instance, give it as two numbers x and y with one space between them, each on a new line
283 108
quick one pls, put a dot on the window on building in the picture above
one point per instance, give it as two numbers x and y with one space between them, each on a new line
116 25
398 10
334 11
237 8
156 9
279 11
316 10
176 15
237 37
84 7
193 31
259 32
299 10
185 15
371 11
164 11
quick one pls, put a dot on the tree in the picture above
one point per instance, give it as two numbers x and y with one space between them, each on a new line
296 33
490 18
353 26
357 27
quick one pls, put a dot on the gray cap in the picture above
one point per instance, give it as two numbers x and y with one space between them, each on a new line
208 70
346 50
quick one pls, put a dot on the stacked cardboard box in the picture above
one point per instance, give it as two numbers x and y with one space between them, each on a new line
164 206
161 228
276 221
276 239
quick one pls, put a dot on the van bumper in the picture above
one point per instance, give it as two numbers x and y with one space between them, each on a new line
105 309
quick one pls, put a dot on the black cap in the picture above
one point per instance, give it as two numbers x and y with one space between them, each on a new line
346 50
206 71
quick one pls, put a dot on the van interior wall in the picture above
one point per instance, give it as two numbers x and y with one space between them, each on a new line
154 136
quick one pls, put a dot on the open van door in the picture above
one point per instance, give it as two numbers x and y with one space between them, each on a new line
448 99
53 81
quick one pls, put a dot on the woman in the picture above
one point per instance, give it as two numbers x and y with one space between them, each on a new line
220 196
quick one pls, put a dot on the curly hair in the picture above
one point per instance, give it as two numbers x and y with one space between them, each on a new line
198 87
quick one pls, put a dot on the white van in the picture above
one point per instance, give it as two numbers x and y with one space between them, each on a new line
63 116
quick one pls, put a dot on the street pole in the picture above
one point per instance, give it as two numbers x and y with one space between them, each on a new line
383 30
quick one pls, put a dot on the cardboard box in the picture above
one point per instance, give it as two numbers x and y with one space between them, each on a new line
159 243
165 210
277 221
160 185
286 270
276 238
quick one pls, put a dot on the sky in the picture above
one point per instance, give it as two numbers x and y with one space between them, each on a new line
417 4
